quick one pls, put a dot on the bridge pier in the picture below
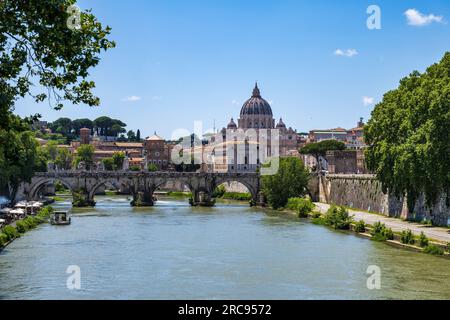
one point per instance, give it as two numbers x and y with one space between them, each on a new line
202 199
82 199
143 199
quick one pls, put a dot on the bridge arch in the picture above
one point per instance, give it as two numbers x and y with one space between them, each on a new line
36 187
127 185
252 186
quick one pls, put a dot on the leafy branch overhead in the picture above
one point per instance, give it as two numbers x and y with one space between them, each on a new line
41 57
38 50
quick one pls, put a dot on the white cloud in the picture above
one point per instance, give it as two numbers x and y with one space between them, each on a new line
367 101
157 98
418 19
234 102
346 53
132 99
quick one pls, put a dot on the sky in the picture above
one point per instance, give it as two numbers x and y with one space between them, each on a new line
316 62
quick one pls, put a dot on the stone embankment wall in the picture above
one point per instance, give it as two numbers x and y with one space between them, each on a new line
365 192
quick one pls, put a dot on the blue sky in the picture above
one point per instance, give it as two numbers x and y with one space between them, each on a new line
182 61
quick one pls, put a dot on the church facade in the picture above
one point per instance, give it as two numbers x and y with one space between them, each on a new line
255 138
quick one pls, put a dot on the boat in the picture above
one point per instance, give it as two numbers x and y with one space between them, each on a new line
60 218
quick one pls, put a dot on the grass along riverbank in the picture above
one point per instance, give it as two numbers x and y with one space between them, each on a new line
340 218
11 232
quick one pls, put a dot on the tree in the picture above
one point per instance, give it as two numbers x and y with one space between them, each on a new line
152 167
109 164
291 181
80 124
39 50
20 156
118 159
52 150
62 126
85 153
102 125
64 159
107 127
320 149
138 136
131 136
116 129
409 136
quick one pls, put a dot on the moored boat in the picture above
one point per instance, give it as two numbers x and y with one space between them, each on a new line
60 218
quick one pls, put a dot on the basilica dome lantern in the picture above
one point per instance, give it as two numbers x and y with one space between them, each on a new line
256 113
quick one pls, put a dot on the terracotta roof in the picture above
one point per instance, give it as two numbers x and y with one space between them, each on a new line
357 129
129 144
155 137
330 130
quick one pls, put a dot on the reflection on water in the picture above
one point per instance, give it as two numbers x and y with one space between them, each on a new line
173 251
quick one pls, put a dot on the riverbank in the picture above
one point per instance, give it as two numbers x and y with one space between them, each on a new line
438 234
11 232
437 239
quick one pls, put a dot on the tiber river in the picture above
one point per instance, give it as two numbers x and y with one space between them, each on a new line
173 251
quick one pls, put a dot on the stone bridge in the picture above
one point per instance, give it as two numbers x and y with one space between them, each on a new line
141 185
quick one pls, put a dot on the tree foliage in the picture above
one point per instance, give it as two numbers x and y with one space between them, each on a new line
291 181
85 153
409 135
64 159
118 159
41 57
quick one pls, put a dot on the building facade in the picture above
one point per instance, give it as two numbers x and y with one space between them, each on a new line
256 117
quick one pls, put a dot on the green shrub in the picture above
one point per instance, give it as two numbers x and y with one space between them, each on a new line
135 168
179 194
360 227
45 212
423 240
21 226
302 205
389 234
31 222
237 196
407 237
11 232
319 221
219 191
293 203
338 218
434 250
3 239
316 214
381 233
448 247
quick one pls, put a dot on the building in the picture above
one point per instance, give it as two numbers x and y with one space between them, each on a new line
318 135
106 149
256 116
353 138
346 162
157 152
